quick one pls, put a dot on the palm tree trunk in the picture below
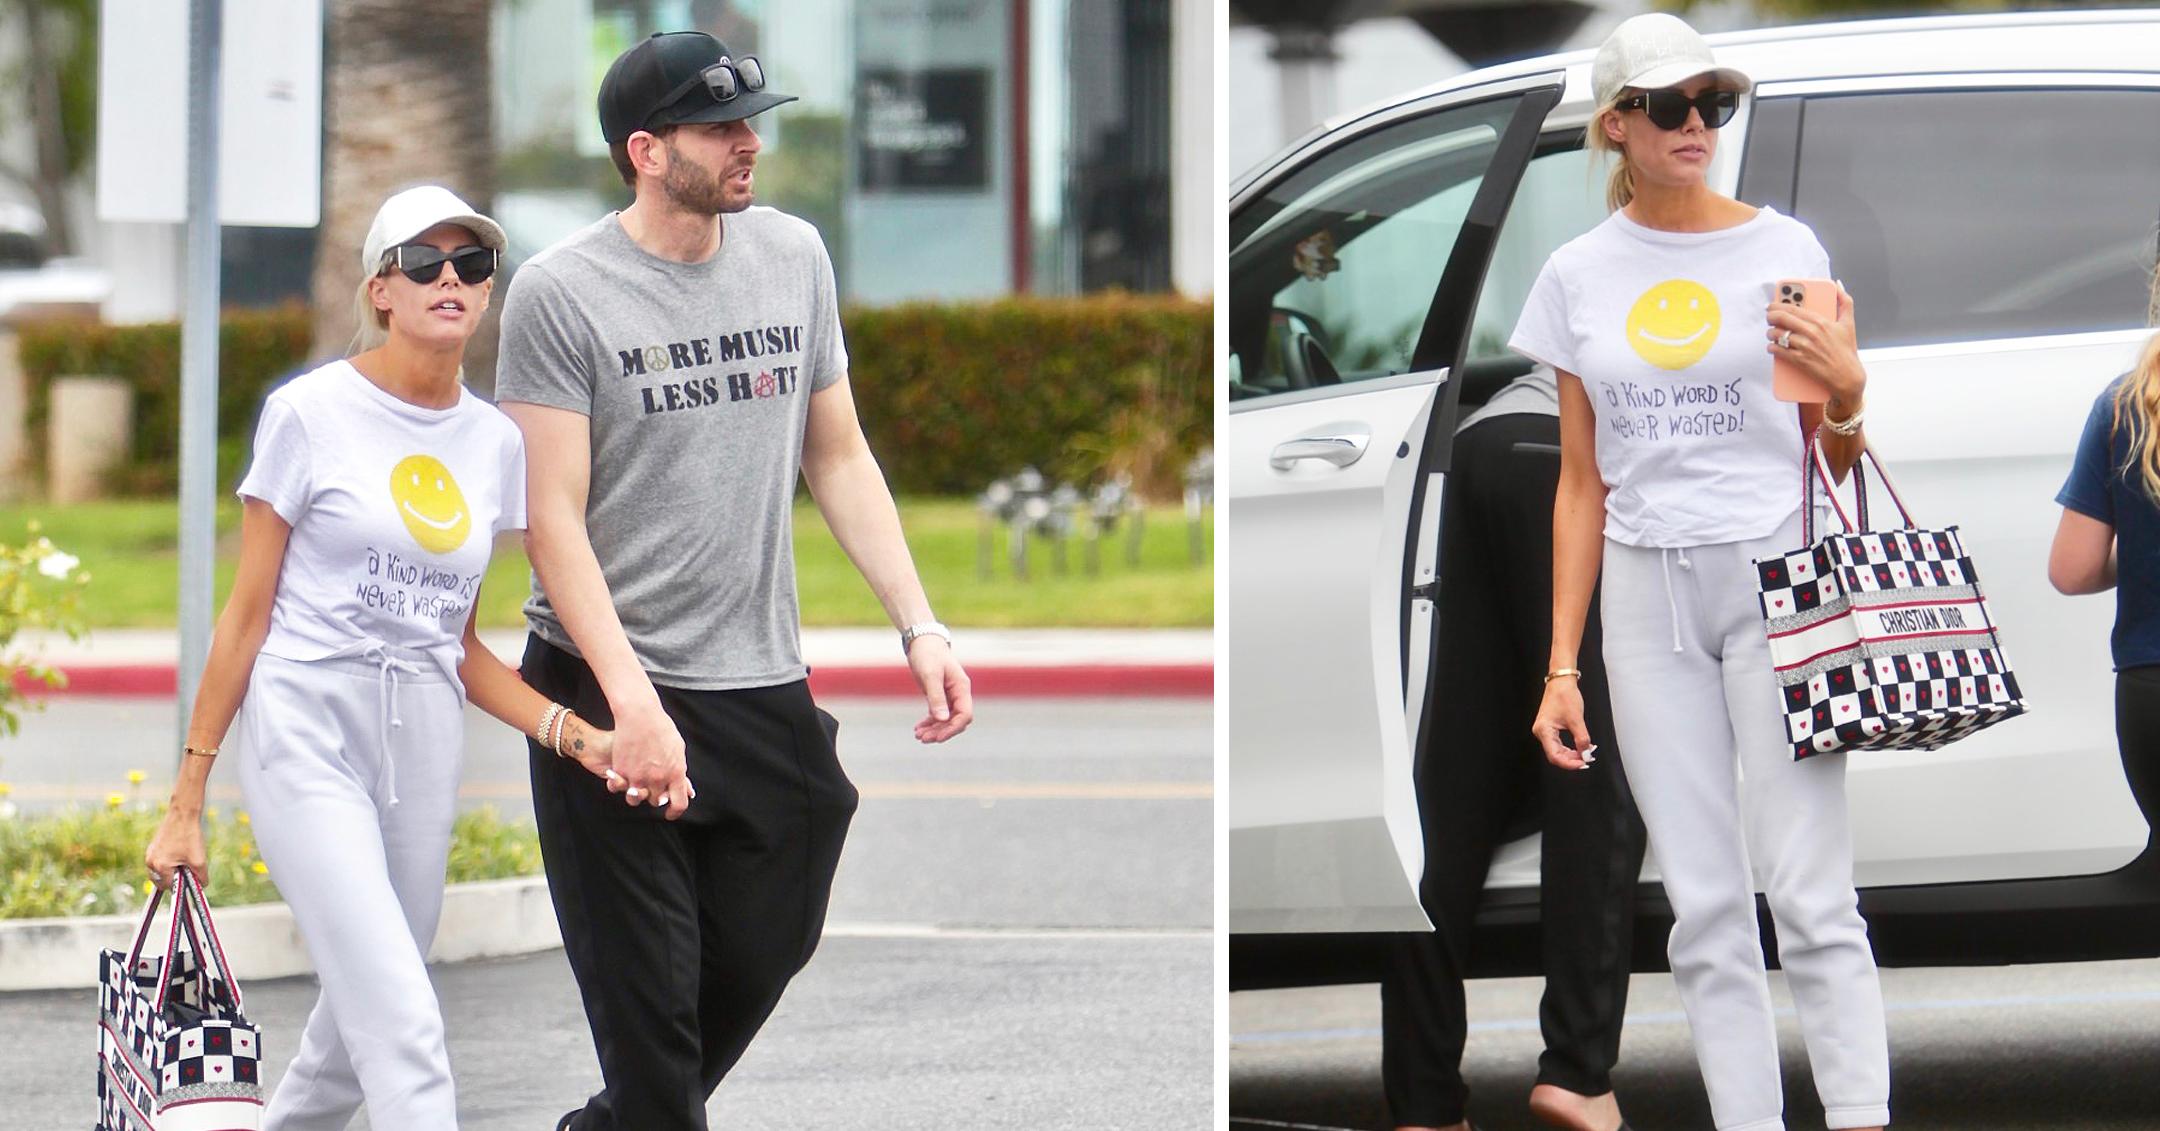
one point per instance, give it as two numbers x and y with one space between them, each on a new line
407 99
43 59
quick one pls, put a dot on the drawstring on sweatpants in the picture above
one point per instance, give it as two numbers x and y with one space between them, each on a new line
1671 603
388 667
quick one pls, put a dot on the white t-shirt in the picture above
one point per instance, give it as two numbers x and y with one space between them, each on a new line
1668 333
394 510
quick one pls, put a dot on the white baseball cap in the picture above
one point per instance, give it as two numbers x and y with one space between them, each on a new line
409 213
1652 51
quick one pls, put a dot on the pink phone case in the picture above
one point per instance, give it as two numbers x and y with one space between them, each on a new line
1786 380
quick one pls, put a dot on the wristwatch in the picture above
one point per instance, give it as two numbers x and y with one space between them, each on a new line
924 628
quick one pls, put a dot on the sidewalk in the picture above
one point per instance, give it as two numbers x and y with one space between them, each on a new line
140 662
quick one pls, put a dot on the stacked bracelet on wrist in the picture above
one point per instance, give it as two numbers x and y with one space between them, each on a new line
550 731
1847 427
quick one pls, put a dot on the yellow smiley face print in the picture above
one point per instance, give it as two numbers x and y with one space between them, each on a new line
1674 324
429 501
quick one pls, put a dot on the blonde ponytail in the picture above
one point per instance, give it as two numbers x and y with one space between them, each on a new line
371 327
1620 184
2137 406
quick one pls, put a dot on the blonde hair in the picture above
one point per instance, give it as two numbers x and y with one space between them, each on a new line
1620 184
2137 405
371 327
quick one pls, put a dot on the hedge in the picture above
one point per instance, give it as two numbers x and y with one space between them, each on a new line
256 349
951 395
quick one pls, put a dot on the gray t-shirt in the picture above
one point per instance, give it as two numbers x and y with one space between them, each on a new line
1536 392
697 378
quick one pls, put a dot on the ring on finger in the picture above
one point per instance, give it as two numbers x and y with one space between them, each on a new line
1785 340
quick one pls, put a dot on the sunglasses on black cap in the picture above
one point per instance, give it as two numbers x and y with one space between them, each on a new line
423 264
724 80
1668 109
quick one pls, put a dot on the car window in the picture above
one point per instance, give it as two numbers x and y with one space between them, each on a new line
1333 268
1561 196
1958 215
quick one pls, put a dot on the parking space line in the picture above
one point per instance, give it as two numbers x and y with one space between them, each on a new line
1039 790
1675 1017
518 790
933 931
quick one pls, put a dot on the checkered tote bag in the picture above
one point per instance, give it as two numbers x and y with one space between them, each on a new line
175 1053
1881 640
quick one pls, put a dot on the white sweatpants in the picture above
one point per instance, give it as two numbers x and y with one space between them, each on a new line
1692 698
350 770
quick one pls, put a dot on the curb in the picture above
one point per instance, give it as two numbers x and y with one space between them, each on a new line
484 919
865 680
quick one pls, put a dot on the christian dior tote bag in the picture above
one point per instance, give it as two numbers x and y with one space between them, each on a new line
175 1052
1881 640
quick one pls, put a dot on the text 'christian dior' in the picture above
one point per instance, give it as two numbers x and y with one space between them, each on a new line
775 381
1922 620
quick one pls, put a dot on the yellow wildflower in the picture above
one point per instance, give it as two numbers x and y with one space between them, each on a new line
114 801
6 789
135 777
148 886
261 869
244 817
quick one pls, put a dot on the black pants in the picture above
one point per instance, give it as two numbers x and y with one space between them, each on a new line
683 934
2137 734
1481 771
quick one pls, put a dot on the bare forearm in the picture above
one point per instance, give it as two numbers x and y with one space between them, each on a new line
234 645
1578 552
858 507
494 688
569 572
1841 452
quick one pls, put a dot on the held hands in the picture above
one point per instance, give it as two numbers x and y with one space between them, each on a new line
588 746
1827 349
646 761
945 689
1562 710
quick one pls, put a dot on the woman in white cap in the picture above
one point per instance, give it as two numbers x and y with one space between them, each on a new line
347 649
1678 468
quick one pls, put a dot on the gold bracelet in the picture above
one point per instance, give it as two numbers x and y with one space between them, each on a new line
1559 673
1846 427
199 752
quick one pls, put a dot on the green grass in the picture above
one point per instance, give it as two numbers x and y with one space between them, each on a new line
90 861
131 549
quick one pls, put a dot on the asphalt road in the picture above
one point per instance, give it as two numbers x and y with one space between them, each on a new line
2067 1047
1020 935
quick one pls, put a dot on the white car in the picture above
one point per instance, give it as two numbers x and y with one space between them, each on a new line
1988 189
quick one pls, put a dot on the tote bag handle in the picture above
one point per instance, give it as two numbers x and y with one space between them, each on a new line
1815 465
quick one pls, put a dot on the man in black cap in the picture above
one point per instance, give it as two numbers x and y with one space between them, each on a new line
672 367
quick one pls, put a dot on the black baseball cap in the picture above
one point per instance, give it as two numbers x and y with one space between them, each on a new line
658 83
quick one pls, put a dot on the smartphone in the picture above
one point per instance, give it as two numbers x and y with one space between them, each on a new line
1786 379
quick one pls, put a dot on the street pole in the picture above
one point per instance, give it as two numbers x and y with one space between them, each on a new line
199 355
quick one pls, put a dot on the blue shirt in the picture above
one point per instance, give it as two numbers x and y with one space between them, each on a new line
2104 485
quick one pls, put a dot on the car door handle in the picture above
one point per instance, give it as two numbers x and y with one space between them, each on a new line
1342 450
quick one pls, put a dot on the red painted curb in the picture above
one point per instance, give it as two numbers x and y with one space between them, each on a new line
880 681
125 680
